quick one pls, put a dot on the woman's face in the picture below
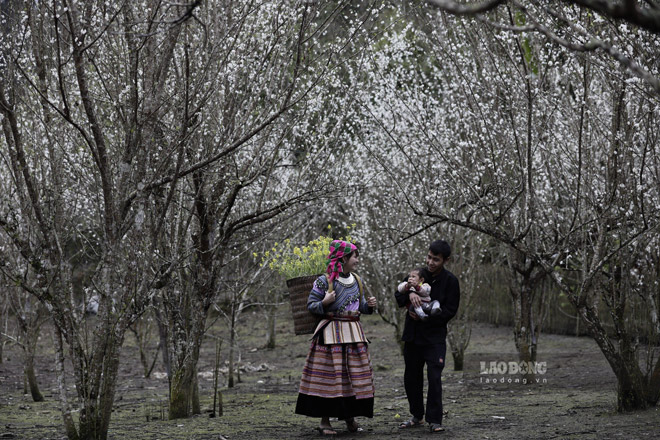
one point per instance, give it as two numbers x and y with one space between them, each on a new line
351 263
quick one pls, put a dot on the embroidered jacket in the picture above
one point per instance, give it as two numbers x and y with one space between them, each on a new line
347 292
341 323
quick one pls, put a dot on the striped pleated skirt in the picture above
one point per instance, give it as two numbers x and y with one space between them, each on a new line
337 381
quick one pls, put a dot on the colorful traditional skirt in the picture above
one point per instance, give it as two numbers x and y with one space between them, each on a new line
337 380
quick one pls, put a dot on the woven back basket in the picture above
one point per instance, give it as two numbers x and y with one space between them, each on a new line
304 322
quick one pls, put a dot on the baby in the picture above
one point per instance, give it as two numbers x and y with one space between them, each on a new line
417 285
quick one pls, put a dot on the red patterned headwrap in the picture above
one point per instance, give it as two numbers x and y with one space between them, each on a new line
338 249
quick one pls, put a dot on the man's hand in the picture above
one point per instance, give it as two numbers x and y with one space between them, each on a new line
415 300
413 315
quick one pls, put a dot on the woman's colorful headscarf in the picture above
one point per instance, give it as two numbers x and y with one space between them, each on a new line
338 249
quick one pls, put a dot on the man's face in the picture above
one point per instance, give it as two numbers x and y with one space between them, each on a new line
434 263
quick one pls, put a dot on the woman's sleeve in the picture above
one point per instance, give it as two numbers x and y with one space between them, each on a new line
317 294
364 308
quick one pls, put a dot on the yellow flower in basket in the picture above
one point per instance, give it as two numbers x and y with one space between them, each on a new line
293 261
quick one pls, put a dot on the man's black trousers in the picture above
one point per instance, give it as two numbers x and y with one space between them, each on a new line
415 357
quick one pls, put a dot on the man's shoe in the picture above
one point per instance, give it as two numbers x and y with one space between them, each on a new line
435 427
414 421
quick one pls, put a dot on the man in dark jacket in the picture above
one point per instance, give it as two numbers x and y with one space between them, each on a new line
425 340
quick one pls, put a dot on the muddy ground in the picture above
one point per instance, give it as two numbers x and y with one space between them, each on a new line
575 397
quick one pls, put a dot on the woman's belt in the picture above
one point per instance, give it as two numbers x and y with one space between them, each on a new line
343 318
352 315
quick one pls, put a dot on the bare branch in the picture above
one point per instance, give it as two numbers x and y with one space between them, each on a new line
630 11
466 8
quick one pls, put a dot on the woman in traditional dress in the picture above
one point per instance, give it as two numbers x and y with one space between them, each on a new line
337 379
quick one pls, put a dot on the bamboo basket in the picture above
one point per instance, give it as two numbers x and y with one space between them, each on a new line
304 322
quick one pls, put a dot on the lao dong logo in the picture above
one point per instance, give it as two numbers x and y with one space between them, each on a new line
500 369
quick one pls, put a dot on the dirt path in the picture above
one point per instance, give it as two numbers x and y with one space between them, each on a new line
574 399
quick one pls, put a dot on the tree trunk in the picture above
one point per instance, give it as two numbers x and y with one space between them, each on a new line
162 334
98 397
141 348
230 367
196 407
522 326
30 327
109 388
526 276
270 335
88 426
184 394
69 425
634 392
96 367
458 336
232 342
458 356
654 384
32 377
397 336
181 392
630 392
5 316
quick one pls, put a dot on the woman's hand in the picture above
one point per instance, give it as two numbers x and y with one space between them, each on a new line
329 298
372 302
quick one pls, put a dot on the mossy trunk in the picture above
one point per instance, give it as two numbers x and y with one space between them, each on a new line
181 393
89 426
95 415
95 419
101 380
184 394
630 393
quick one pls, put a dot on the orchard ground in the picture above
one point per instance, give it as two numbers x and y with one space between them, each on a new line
575 398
